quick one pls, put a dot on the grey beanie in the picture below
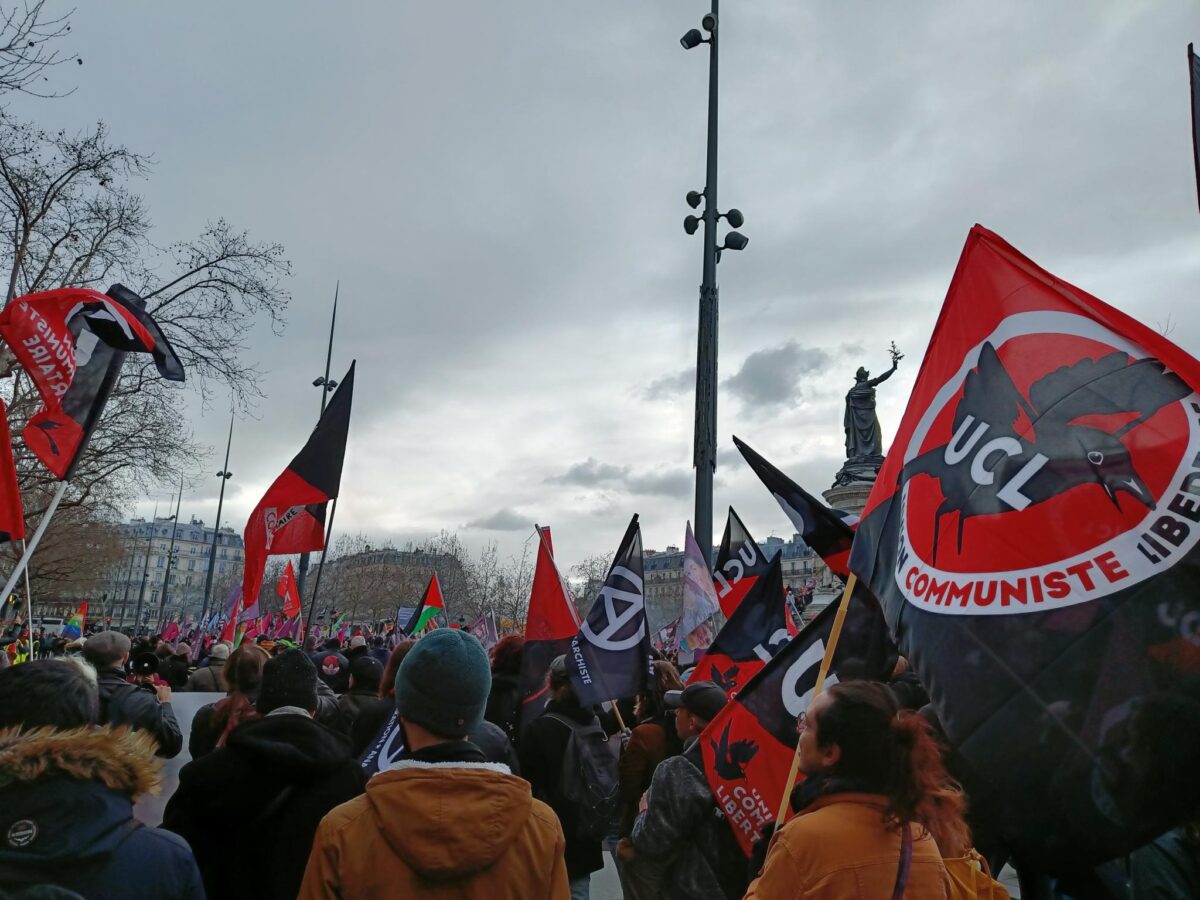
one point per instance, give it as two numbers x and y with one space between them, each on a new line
444 682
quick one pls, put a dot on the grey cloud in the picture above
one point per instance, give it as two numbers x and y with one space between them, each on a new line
670 385
668 482
590 473
505 519
771 377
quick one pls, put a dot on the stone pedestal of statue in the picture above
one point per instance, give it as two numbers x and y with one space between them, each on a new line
851 497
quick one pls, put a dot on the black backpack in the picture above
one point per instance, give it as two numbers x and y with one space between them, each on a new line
589 782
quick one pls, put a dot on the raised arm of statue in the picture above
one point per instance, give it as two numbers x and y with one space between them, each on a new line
875 382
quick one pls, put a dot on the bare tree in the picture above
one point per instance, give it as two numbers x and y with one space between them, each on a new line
28 35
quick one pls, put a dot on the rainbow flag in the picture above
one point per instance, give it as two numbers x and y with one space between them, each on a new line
74 627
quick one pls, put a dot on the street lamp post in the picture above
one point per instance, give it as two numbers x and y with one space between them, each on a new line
224 475
145 572
704 456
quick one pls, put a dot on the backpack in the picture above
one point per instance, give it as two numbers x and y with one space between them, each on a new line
589 782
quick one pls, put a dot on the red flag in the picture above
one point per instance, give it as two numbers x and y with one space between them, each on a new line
288 590
550 625
290 518
12 515
757 630
748 747
739 562
228 632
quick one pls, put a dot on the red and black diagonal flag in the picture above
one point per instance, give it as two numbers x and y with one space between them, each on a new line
740 561
550 626
828 531
755 632
1194 75
290 518
609 659
12 514
748 747
1033 538
72 342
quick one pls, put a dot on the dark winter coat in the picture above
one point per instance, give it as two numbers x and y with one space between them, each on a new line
251 808
210 678
66 811
682 825
504 705
543 746
649 744
122 703
174 671
350 704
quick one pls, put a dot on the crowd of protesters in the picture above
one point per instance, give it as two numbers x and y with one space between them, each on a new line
481 803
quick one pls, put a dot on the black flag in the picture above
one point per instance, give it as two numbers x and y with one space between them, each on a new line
610 657
1194 72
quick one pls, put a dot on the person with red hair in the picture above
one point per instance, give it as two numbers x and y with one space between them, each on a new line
504 702
877 812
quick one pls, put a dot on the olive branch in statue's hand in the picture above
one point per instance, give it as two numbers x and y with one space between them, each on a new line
896 355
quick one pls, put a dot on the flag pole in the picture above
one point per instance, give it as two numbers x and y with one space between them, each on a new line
23 562
834 636
28 599
312 603
323 383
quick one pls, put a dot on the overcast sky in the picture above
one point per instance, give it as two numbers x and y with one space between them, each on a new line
499 189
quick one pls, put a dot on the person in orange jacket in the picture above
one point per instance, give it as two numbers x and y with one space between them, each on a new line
877 811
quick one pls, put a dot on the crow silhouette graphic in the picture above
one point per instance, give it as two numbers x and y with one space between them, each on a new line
730 760
1007 452
726 680
47 427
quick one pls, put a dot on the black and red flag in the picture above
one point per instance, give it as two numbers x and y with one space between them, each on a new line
550 626
757 630
290 518
12 514
748 747
829 532
609 659
1033 536
739 562
72 342
1194 77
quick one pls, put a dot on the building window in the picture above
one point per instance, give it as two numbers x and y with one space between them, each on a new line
158 563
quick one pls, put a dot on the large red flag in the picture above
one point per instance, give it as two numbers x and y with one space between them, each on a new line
12 515
290 518
288 590
1034 537
550 625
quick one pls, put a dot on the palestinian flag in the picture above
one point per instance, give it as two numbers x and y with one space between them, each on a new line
1034 537
748 747
550 625
739 562
74 627
757 630
290 518
431 606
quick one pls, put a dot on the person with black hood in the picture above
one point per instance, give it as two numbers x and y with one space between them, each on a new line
250 809
365 674
142 707
543 746
67 790
504 702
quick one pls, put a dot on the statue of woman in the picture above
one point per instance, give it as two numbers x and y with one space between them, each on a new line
863 435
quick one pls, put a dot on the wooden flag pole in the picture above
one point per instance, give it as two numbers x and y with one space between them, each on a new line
826 661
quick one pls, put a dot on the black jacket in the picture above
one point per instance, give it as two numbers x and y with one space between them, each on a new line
487 738
77 830
350 704
504 705
251 808
543 745
122 703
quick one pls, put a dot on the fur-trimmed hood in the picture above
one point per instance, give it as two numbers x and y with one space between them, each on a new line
120 759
